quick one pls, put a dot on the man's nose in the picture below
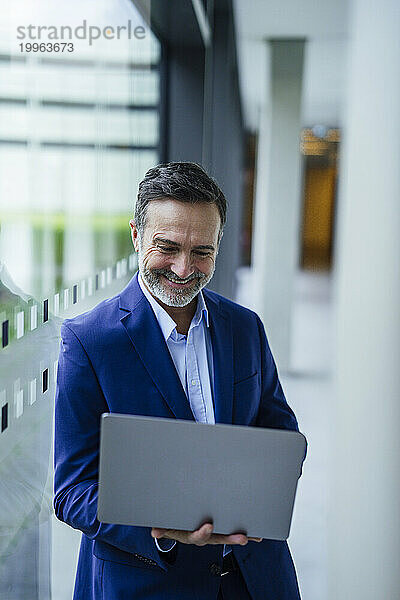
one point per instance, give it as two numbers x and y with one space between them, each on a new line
182 265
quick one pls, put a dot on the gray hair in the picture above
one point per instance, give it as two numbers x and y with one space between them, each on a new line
183 181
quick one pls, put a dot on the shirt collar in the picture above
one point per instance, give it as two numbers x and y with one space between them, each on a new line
167 324
201 311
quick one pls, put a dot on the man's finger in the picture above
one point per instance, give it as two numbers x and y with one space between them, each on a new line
157 532
201 535
233 539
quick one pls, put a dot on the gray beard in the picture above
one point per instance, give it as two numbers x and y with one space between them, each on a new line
171 297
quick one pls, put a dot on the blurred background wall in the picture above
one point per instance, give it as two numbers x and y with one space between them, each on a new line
294 108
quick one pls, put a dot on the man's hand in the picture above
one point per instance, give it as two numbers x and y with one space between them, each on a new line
202 536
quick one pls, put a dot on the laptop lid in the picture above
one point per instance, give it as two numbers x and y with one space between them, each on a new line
179 474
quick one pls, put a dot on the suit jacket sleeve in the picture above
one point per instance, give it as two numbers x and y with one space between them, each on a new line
79 405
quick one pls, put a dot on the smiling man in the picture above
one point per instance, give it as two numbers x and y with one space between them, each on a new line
167 347
176 252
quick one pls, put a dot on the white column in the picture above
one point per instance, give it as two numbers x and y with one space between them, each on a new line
364 541
277 211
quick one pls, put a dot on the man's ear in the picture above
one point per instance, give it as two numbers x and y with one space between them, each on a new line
134 235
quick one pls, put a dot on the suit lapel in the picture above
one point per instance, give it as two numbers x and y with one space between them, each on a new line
222 344
146 336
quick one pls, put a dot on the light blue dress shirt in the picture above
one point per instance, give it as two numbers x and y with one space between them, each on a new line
191 354
192 357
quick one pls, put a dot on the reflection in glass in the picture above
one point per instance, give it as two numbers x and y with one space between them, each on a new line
77 134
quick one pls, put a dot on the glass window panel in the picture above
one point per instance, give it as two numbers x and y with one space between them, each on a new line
72 151
79 126
70 83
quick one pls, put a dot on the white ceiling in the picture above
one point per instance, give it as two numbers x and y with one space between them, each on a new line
324 24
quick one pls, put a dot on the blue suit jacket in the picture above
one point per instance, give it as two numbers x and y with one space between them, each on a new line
115 359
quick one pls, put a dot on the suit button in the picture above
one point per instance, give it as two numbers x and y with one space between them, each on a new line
215 569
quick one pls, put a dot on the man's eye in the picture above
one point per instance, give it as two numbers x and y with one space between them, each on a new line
167 248
200 253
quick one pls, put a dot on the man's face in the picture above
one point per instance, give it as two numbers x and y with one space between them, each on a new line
177 252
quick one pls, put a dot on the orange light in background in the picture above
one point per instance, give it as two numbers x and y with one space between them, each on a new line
319 196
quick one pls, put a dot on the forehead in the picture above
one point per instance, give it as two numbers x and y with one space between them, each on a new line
198 220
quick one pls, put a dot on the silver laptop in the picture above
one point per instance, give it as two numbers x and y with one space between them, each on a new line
180 474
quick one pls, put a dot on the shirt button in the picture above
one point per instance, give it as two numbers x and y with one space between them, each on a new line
194 382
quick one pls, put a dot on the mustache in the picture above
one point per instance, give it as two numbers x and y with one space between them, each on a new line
171 275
